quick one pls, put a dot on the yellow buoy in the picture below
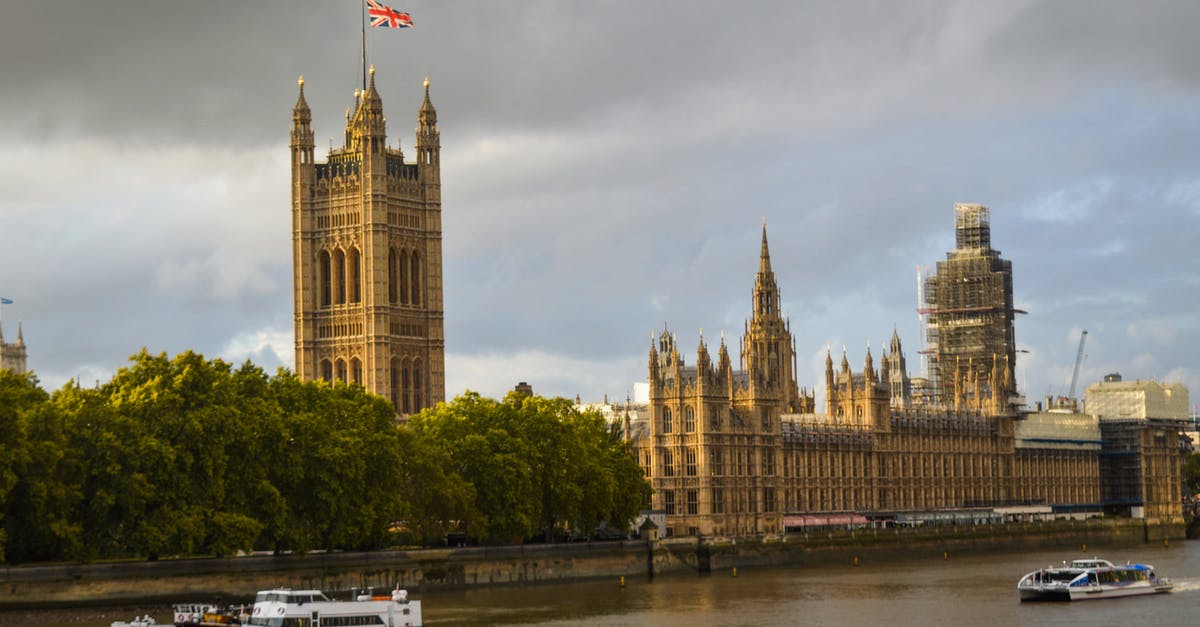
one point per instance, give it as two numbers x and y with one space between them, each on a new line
856 560
945 555
622 581
1085 547
735 571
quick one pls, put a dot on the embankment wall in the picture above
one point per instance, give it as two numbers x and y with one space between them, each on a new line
237 579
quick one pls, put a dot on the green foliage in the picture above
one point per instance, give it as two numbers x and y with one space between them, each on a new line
533 466
185 455
1191 474
190 456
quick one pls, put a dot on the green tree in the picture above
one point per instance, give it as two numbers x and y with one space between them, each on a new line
1191 474
19 396
533 464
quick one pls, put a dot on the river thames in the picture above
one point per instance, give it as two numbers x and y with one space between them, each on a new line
975 589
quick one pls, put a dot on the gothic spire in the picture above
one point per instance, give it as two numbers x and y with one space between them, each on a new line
764 262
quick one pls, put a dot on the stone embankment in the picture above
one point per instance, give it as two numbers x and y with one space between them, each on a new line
237 579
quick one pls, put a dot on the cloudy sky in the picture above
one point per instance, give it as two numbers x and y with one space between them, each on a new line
606 169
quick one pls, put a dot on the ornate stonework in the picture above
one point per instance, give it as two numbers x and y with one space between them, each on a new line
737 452
367 256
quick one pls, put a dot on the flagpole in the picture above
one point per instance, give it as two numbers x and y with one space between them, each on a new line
363 16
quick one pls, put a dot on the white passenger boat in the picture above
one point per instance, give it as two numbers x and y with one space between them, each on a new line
283 607
1091 579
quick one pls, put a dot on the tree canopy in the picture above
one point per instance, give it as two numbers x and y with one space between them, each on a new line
189 456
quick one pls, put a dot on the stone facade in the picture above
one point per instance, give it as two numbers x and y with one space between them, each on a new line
1143 456
367 256
13 356
731 452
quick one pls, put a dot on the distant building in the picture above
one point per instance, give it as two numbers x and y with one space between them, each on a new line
367 256
1140 422
13 356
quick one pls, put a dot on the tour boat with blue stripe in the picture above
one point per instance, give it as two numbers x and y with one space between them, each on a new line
1087 579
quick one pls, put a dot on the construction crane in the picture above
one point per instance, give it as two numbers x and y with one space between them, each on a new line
1078 360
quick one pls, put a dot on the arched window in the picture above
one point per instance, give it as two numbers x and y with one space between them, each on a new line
339 368
355 272
666 420
418 390
394 377
326 370
858 412
402 273
393 277
415 269
689 419
405 389
356 371
339 277
325 274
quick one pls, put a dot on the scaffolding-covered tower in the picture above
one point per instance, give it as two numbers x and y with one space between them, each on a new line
969 315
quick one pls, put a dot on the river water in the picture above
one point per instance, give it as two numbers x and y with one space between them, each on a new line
958 590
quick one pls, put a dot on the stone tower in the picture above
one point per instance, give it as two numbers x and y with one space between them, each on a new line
969 302
12 356
768 347
897 379
367 256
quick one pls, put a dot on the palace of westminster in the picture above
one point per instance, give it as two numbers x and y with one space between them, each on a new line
736 447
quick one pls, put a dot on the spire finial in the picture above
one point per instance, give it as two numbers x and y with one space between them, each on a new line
301 81
371 71
426 83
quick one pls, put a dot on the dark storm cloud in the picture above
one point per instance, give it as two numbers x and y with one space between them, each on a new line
606 168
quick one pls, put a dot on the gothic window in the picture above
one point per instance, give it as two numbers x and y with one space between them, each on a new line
693 501
415 269
768 499
715 417
858 412
339 277
405 389
356 371
327 370
339 368
355 272
841 412
690 462
395 381
666 419
669 502
418 390
766 419
326 276
718 501
689 419
668 464
402 273
768 462
393 277
717 463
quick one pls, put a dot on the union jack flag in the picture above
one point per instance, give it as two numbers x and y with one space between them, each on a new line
387 17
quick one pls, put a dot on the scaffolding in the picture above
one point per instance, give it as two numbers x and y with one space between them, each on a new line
968 310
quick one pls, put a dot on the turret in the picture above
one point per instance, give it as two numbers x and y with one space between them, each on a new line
428 136
302 135
653 362
368 129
